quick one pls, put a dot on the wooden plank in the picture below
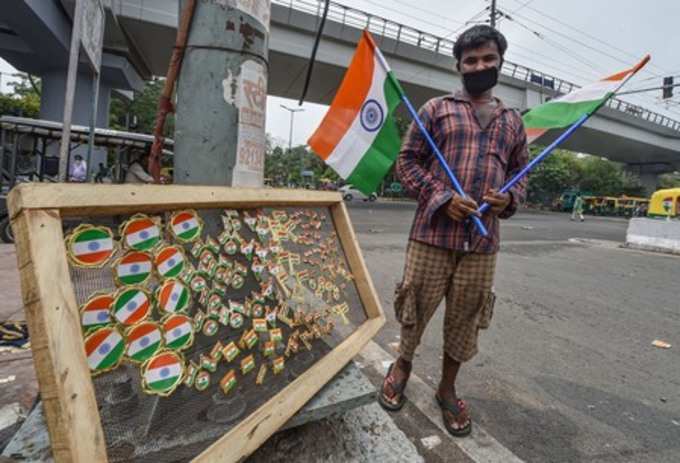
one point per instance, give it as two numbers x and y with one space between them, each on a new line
87 199
350 245
58 353
245 438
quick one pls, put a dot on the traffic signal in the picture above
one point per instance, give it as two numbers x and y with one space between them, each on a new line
667 88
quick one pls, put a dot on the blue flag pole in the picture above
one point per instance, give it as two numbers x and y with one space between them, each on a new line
440 157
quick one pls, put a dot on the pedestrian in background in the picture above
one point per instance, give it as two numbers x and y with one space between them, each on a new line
577 210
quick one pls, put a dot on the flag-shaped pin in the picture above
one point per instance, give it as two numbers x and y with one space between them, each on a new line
162 373
169 261
104 349
178 332
247 364
96 312
230 351
186 226
133 268
131 305
143 341
277 365
173 296
260 325
141 233
90 246
228 382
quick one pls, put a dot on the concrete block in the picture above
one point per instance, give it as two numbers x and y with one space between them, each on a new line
654 235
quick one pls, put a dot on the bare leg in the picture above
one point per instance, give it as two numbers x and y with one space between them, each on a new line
447 391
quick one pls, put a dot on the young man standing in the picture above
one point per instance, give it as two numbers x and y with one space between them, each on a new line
485 144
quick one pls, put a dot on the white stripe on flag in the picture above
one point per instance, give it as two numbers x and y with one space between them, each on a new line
129 308
165 266
594 91
96 357
91 317
151 338
172 302
177 332
83 247
127 269
356 141
154 374
134 238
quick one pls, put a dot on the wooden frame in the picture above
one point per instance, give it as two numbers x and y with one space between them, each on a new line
66 387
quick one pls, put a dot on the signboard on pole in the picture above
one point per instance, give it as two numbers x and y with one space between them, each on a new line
88 31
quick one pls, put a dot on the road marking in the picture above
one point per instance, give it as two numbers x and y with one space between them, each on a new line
480 446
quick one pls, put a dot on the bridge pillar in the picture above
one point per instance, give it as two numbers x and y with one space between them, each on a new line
53 87
221 96
649 174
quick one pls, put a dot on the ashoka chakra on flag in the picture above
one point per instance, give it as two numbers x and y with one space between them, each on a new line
131 305
173 296
162 373
178 332
143 341
141 233
133 268
96 312
104 349
90 246
169 261
186 226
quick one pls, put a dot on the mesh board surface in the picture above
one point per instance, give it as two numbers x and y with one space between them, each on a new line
141 427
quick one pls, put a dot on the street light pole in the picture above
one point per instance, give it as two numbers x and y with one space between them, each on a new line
292 117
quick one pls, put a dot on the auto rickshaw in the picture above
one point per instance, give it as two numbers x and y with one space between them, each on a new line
665 203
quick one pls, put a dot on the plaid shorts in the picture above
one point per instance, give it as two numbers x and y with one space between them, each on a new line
465 279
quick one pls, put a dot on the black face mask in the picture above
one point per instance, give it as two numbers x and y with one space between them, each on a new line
478 82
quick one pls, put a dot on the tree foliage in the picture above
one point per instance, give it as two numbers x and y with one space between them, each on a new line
24 98
144 108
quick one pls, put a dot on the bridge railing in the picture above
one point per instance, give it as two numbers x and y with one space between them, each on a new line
382 27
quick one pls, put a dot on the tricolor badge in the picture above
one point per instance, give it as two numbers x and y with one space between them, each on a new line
143 341
140 233
134 268
96 312
131 305
169 262
178 332
186 226
172 296
89 246
104 349
162 373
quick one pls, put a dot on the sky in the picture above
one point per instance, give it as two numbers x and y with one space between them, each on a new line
580 41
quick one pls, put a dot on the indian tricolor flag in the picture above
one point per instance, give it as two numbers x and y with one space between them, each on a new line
143 341
134 268
104 349
172 296
141 233
569 108
96 312
91 246
179 332
131 305
186 226
358 137
162 373
170 262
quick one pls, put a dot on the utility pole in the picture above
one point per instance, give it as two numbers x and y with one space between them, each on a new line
222 94
292 118
492 18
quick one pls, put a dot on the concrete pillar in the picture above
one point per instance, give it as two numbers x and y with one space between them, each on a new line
650 181
52 107
221 95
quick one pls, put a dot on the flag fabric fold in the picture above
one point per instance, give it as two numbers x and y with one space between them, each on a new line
358 136
567 109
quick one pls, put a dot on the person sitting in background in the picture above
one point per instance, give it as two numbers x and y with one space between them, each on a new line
136 172
78 170
102 173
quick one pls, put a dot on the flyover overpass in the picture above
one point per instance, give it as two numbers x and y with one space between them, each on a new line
140 35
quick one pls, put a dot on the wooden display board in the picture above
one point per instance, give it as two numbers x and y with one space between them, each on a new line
53 292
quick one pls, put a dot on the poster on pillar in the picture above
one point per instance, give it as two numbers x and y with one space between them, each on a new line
185 323
251 101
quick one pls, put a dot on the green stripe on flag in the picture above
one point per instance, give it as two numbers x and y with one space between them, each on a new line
147 352
163 384
378 160
89 235
188 234
179 342
558 114
113 356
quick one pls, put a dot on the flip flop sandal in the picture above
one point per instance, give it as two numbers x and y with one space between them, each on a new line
456 409
397 388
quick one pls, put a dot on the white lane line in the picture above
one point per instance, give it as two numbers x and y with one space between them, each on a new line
480 446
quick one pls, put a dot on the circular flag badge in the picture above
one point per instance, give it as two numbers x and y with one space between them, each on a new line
90 246
140 233
202 380
143 341
162 373
131 305
104 349
172 296
186 226
178 331
96 312
372 115
133 268
169 262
